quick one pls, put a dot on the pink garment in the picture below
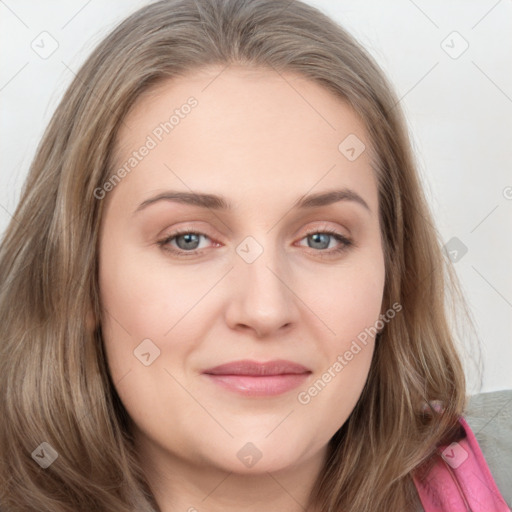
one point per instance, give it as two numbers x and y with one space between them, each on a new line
459 480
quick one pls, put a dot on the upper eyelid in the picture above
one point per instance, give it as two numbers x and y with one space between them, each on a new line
203 231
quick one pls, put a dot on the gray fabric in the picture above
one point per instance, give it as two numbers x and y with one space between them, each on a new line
490 417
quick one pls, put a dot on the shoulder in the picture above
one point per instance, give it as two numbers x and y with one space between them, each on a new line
473 473
489 416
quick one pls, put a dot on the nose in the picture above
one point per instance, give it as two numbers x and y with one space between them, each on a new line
262 299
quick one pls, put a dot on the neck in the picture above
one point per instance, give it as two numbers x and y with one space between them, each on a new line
196 486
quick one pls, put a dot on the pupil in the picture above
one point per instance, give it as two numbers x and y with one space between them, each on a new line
189 238
322 239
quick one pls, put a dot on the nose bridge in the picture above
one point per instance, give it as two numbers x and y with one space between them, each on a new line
261 298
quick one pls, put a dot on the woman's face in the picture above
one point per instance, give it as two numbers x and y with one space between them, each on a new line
277 164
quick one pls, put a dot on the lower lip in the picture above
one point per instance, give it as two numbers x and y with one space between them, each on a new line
268 385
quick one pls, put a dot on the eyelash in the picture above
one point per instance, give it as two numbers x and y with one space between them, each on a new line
346 243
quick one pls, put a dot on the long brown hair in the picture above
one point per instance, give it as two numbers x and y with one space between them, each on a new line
54 382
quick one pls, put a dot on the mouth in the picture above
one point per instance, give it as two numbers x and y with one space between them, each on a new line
251 378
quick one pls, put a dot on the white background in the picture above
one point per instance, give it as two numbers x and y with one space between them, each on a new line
459 111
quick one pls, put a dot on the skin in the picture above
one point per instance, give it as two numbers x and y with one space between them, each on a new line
263 141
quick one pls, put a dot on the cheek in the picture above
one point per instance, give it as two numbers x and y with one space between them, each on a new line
350 306
142 298
147 298
349 299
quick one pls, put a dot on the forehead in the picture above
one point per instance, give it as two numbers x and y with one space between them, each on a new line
249 129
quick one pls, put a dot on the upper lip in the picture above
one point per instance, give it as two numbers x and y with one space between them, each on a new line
248 367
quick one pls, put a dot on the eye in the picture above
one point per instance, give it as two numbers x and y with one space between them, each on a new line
185 243
321 239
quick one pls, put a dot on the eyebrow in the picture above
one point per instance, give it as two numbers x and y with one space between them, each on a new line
215 202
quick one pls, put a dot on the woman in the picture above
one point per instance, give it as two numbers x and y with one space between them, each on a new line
223 256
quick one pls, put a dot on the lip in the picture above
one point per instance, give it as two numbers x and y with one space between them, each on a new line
255 368
252 378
